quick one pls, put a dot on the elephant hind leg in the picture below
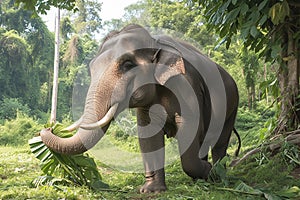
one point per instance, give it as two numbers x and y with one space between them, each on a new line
220 149
194 166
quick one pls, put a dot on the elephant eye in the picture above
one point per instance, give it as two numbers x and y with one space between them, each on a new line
127 65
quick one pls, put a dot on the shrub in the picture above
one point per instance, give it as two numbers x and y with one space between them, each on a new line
18 131
247 119
10 106
254 125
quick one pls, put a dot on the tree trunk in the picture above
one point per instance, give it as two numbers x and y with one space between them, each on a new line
253 93
249 98
288 78
265 79
55 74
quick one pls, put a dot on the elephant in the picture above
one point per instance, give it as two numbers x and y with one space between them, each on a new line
176 91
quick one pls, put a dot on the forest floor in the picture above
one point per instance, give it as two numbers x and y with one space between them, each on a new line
259 177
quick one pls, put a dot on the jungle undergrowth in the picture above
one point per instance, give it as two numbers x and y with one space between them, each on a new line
262 176
250 180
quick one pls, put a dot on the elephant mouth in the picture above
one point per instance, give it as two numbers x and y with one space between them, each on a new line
102 122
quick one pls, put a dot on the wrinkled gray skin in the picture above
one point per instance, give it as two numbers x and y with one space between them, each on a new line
126 60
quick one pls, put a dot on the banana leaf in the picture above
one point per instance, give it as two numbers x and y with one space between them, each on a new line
75 169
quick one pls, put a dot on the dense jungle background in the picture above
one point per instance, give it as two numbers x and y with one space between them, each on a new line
257 42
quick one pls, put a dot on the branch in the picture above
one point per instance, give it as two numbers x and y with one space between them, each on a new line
246 156
292 132
293 138
286 133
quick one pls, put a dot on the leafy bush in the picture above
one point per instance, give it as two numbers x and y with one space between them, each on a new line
247 119
10 106
256 125
17 131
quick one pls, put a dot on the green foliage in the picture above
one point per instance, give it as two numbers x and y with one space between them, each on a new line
255 20
290 154
247 119
16 132
76 51
227 182
40 6
256 125
14 73
218 173
76 169
87 18
26 56
66 28
178 17
9 107
279 11
250 180
270 86
269 172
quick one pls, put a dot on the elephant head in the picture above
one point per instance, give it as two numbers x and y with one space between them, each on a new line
123 74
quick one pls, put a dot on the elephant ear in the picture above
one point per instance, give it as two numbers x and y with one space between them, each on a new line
168 66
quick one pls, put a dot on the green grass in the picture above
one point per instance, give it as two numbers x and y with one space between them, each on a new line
18 168
262 174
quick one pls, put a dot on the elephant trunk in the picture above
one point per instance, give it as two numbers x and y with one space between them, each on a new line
85 138
77 144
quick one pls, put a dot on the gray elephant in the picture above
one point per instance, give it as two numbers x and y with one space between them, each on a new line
177 91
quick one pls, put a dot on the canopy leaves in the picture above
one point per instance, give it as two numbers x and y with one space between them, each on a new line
261 24
41 6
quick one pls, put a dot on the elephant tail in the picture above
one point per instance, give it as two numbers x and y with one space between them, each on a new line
239 140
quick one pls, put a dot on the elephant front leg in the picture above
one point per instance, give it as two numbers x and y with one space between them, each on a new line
190 137
151 139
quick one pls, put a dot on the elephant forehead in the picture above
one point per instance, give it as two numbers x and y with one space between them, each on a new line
101 64
128 42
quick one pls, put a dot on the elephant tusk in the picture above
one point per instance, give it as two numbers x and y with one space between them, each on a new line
102 122
75 125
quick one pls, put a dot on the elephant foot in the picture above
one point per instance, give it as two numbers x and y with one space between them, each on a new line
155 182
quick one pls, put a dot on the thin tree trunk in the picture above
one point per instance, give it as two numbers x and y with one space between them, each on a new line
55 73
249 98
265 79
253 97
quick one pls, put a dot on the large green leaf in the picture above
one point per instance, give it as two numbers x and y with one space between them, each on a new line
279 11
253 31
244 8
262 4
77 169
